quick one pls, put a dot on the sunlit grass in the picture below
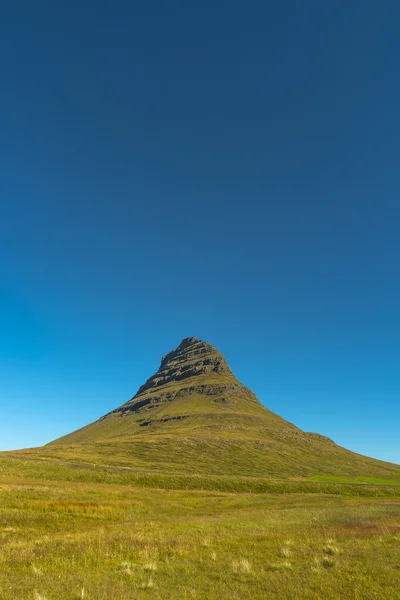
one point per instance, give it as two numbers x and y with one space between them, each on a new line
91 540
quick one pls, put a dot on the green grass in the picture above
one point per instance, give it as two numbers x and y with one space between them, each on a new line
69 532
275 456
74 532
372 480
17 469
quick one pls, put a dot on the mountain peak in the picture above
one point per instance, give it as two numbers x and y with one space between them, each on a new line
187 344
189 341
191 358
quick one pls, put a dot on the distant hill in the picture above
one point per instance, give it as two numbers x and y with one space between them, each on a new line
194 416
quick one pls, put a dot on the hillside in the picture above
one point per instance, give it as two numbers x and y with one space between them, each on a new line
194 416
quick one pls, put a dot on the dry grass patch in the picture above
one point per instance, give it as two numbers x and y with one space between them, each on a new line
36 570
150 566
241 566
127 568
148 584
331 548
284 565
328 563
286 552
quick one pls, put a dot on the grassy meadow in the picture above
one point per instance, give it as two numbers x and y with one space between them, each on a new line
69 532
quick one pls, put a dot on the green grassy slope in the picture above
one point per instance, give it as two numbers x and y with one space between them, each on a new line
194 416
94 534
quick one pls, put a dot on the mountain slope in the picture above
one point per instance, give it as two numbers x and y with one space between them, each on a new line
194 391
194 416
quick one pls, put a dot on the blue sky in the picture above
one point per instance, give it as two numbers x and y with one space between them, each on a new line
226 170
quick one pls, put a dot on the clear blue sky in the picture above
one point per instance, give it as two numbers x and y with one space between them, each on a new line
223 170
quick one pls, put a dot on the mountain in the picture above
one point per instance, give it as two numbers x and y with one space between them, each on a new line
194 416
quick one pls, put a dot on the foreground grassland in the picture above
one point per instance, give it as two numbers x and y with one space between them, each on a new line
72 533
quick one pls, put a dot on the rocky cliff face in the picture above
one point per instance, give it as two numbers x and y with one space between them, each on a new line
194 369
192 357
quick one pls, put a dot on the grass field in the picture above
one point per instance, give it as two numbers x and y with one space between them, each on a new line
69 532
